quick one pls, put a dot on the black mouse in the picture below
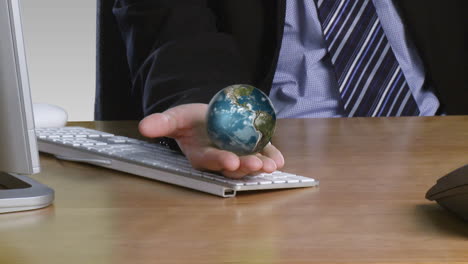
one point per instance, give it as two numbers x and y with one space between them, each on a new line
451 192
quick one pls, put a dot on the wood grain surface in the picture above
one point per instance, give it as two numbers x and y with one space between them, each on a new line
369 208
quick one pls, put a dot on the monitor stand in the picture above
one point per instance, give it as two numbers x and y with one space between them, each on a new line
21 193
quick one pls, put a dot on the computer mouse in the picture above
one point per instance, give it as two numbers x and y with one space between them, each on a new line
47 115
451 192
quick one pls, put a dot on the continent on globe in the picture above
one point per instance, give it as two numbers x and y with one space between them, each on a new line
241 119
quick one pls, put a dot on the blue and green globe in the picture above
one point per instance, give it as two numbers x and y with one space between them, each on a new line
241 119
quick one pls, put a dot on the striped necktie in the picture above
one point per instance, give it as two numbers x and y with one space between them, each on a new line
370 80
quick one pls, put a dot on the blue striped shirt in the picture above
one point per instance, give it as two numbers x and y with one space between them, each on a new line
305 85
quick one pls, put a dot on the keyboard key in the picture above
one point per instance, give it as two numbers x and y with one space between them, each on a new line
292 180
307 180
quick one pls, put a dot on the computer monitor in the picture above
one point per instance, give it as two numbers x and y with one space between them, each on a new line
18 147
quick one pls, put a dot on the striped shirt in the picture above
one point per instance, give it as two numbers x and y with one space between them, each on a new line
305 85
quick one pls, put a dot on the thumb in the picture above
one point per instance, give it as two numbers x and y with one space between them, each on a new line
172 121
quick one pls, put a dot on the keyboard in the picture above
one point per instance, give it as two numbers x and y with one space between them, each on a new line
154 161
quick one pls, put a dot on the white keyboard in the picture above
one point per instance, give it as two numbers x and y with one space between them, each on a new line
153 161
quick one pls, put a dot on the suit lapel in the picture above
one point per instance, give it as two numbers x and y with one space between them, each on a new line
438 28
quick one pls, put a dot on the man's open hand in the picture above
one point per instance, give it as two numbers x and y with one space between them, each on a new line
187 125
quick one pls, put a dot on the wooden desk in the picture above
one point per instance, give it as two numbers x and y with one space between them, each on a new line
370 206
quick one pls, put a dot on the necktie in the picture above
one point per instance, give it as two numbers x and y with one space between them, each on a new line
370 80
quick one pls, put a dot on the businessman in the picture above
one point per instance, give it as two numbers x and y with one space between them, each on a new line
315 58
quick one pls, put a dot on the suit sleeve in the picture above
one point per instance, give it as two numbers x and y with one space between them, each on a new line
176 53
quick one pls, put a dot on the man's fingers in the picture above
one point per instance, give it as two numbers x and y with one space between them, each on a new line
214 159
236 167
229 163
157 125
273 153
269 165
173 121
248 164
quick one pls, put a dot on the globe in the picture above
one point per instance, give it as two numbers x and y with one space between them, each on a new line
240 119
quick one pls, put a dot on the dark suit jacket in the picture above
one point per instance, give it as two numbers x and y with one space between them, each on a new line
184 51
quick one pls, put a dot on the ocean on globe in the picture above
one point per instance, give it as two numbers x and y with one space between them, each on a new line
241 119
